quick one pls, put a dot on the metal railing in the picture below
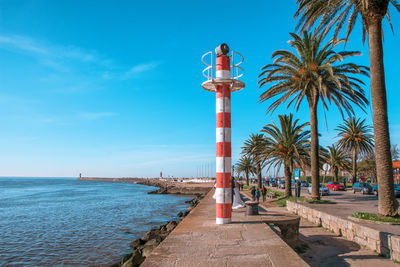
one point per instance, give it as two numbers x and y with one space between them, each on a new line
209 71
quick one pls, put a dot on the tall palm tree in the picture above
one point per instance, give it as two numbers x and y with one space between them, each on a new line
337 159
286 145
245 165
252 148
372 12
395 152
318 75
356 138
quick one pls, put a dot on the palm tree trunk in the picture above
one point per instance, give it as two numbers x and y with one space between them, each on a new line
387 203
335 173
259 169
314 150
288 176
247 178
354 165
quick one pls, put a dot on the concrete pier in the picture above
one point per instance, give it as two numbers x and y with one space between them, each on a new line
198 241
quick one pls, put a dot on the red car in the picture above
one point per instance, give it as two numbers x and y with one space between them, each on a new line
335 186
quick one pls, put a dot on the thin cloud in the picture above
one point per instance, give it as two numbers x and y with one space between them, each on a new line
47 52
22 43
140 68
70 65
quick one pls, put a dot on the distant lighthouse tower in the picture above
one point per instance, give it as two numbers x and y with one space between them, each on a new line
223 82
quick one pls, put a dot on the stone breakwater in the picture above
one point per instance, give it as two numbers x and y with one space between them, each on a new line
142 247
166 186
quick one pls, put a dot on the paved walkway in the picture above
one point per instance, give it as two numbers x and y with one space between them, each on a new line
348 203
328 249
198 241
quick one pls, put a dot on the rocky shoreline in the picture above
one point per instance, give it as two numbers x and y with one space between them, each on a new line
142 247
166 186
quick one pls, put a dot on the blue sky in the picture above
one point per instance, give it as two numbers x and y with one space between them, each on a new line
113 88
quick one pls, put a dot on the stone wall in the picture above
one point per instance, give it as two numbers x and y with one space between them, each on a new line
381 242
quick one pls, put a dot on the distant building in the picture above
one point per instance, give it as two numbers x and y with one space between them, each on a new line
396 171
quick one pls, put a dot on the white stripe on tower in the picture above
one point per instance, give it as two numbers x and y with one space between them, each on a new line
223 74
220 135
220 104
223 143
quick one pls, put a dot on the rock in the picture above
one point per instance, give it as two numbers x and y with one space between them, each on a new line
180 214
171 226
136 259
152 242
136 243
146 251
151 234
155 234
127 263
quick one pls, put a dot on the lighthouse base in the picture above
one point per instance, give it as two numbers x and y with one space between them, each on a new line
223 220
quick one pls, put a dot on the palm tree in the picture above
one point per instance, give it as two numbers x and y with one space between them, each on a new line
337 159
245 165
367 166
337 13
287 145
355 138
252 148
317 74
394 151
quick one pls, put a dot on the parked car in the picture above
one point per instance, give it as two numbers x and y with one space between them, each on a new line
323 190
281 184
304 183
396 190
364 188
272 182
335 186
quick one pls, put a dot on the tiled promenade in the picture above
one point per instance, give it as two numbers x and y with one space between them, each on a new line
198 241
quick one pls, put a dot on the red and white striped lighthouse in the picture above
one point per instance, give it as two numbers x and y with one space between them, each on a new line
223 84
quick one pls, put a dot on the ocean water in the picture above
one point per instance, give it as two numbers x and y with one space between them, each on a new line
63 221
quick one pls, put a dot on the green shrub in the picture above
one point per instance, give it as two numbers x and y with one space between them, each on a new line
375 217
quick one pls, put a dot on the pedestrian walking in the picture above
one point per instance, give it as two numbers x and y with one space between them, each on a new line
264 192
253 193
257 195
233 183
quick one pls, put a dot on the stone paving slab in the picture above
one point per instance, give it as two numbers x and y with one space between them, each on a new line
198 241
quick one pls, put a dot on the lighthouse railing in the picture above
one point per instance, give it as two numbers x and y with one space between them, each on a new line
236 70
235 66
210 67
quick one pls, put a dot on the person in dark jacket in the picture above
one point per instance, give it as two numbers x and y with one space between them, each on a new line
233 183
253 193
263 192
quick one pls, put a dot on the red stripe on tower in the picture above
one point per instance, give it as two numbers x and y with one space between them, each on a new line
223 147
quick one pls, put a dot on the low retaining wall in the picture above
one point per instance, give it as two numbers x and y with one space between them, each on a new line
381 242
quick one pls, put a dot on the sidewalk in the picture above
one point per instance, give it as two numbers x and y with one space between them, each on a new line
329 249
198 241
347 203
